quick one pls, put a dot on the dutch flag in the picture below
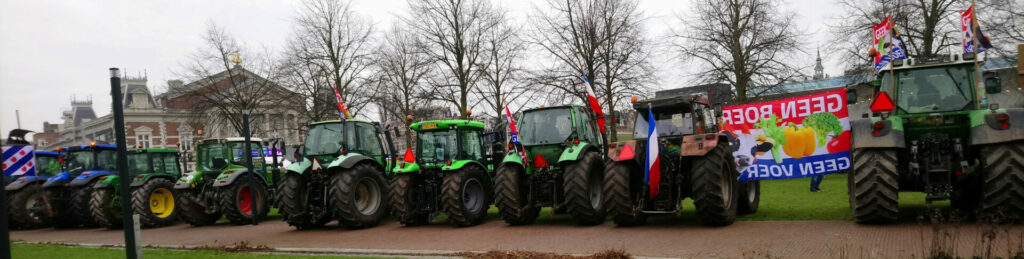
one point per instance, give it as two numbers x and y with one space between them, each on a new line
652 169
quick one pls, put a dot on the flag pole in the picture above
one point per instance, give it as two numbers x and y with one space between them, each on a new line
892 73
974 42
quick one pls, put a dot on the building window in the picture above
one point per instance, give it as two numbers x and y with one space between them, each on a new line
143 140
186 141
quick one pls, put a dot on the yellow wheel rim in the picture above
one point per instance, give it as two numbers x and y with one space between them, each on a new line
161 202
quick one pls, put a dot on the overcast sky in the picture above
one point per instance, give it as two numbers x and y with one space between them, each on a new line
54 50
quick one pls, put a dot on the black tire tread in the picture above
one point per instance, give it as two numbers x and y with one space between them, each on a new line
874 186
577 196
1003 183
707 198
341 194
140 203
228 203
79 204
618 196
192 212
98 208
511 202
20 217
451 197
399 193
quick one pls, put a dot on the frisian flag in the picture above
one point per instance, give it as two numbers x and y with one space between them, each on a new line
342 110
881 35
514 135
968 21
592 100
19 160
652 163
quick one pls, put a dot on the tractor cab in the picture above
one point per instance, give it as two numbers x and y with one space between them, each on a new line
547 132
675 116
84 163
439 144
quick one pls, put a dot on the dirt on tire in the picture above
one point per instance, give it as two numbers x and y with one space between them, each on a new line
1003 184
103 210
192 211
342 196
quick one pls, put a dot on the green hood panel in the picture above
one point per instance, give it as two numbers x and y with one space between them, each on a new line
573 153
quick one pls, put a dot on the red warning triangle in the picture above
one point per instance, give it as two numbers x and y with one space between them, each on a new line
882 103
316 165
409 157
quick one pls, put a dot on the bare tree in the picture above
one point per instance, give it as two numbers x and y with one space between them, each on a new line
745 43
503 74
311 84
223 85
1003 22
454 33
402 66
331 36
602 40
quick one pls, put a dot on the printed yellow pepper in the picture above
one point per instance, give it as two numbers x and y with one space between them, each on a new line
800 142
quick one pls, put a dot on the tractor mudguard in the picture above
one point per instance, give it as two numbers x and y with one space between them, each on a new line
187 181
459 164
60 179
112 181
408 168
986 129
890 136
513 159
139 181
228 177
23 181
622 150
348 161
299 167
573 152
701 144
87 177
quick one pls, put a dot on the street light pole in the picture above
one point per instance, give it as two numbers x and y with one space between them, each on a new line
131 250
248 164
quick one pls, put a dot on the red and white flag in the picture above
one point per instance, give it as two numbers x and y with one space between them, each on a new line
652 165
594 104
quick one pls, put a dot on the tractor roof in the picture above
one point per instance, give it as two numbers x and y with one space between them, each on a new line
241 139
157 150
47 153
339 121
553 107
85 147
444 125
936 60
672 104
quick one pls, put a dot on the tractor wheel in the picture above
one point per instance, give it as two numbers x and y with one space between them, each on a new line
30 208
291 197
239 200
715 189
511 196
584 180
621 193
750 197
104 210
464 196
59 202
357 196
80 204
154 202
402 200
874 186
190 202
1003 185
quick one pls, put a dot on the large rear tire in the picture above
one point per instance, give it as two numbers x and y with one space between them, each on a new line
1003 185
104 210
621 193
715 188
30 208
80 204
402 201
874 186
292 203
511 196
154 202
750 197
465 196
357 196
584 180
192 210
60 199
239 200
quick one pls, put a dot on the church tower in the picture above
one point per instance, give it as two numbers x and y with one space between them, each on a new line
819 70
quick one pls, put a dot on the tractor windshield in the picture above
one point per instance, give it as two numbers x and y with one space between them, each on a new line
324 139
138 163
547 126
676 124
85 160
937 89
48 166
436 146
212 152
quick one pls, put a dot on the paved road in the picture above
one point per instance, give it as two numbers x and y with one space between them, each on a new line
664 237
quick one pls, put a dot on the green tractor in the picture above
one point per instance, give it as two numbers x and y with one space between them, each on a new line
932 130
153 172
564 168
695 162
448 173
341 176
223 185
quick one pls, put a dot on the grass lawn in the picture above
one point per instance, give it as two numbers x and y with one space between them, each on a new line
57 251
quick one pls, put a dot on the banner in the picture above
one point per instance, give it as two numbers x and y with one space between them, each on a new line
881 33
790 138
18 160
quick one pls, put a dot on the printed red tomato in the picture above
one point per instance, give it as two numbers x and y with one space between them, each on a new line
840 143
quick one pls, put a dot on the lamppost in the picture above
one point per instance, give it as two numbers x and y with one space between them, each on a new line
131 249
253 199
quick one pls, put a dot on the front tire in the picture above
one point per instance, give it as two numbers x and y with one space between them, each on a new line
874 186
80 204
239 200
584 180
621 193
511 196
750 197
715 189
103 209
1003 184
465 196
30 208
403 203
357 196
154 202
192 210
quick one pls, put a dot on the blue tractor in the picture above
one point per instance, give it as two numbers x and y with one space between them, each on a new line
29 207
70 190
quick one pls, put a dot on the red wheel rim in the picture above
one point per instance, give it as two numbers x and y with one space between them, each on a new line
244 200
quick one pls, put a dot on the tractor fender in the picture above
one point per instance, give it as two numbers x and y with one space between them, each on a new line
701 144
108 182
187 181
408 168
58 180
139 181
622 150
573 152
300 167
23 181
459 164
226 178
345 162
890 136
511 158
87 177
987 130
